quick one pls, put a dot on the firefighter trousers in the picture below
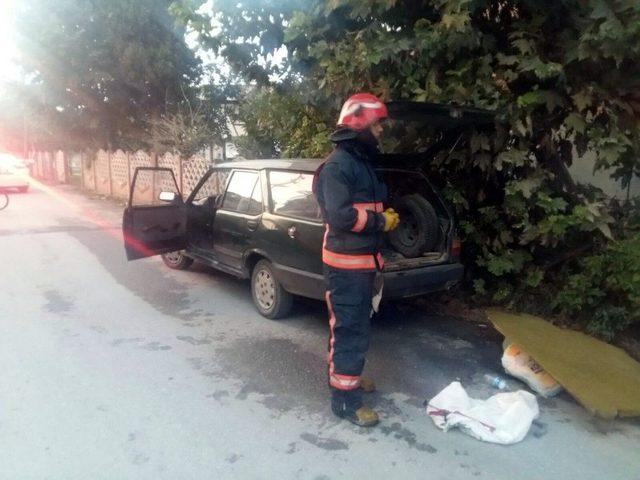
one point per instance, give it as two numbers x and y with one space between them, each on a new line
349 303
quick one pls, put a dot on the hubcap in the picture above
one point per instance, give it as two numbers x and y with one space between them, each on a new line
265 289
408 231
173 257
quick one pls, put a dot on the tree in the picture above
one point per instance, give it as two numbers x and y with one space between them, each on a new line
563 77
280 124
100 71
196 123
247 35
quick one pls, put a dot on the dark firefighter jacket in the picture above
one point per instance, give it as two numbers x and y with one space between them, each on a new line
351 199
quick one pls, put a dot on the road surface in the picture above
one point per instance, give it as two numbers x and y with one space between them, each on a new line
116 370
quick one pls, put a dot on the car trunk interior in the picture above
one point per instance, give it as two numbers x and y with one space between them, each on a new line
402 182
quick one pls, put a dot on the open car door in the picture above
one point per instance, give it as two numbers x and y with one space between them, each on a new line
155 220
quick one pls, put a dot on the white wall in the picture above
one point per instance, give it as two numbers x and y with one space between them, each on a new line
582 172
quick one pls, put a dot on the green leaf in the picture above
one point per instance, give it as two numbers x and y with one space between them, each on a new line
530 98
575 122
525 46
534 277
479 286
605 229
516 158
600 9
507 60
582 99
543 70
527 186
456 22
479 142
548 98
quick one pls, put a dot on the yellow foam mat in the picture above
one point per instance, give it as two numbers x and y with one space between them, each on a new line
600 376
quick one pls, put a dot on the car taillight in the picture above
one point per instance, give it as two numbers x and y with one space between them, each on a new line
456 247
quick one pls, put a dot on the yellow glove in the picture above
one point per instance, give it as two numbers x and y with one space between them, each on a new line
391 219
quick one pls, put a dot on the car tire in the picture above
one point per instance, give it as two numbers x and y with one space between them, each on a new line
4 200
269 297
177 260
419 229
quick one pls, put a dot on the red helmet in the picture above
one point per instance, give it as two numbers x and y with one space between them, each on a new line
361 110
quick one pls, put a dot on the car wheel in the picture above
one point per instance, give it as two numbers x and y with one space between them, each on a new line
418 231
177 260
270 298
4 200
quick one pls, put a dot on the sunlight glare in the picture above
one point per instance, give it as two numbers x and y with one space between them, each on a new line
8 51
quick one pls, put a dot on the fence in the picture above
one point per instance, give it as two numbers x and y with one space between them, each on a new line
111 173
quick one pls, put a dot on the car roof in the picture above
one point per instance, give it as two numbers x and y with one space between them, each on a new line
300 164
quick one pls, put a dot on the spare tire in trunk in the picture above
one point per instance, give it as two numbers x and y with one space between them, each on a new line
418 230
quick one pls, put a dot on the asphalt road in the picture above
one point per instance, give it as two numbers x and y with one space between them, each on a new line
116 370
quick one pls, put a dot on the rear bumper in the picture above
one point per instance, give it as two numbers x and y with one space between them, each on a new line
418 281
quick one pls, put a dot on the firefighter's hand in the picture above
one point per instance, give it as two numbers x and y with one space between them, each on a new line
391 219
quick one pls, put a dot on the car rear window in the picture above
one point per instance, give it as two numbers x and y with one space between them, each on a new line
291 195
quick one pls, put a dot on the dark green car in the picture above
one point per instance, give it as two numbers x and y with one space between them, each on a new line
259 219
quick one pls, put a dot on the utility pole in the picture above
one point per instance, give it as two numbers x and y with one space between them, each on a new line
224 136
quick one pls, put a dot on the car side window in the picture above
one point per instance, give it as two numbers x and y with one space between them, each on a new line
239 191
292 195
149 183
213 186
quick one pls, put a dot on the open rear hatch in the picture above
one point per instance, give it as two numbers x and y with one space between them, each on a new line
417 132
402 183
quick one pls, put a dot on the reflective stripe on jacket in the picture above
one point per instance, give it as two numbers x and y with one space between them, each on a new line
351 198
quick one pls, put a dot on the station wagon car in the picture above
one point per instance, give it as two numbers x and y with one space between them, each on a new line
259 219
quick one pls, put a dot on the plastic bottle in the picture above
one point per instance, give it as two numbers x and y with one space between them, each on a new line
495 381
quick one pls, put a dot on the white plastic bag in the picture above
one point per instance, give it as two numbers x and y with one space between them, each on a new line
519 364
503 418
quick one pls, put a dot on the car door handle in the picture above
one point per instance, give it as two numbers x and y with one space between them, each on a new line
151 228
292 231
253 223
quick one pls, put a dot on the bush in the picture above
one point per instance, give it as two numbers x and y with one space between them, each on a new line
603 291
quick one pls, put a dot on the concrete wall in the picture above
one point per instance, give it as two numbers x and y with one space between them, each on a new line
582 172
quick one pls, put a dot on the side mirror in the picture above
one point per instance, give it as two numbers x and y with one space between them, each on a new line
169 197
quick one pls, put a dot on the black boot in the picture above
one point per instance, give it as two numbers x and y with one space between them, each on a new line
348 405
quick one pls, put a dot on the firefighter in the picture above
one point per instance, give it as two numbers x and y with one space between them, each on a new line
351 198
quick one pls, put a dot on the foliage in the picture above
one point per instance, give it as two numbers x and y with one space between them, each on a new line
247 35
280 124
182 133
195 123
603 290
98 71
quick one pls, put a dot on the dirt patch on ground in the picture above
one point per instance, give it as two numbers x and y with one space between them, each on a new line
449 305
629 341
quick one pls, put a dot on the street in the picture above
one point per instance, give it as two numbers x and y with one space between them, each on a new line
118 370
